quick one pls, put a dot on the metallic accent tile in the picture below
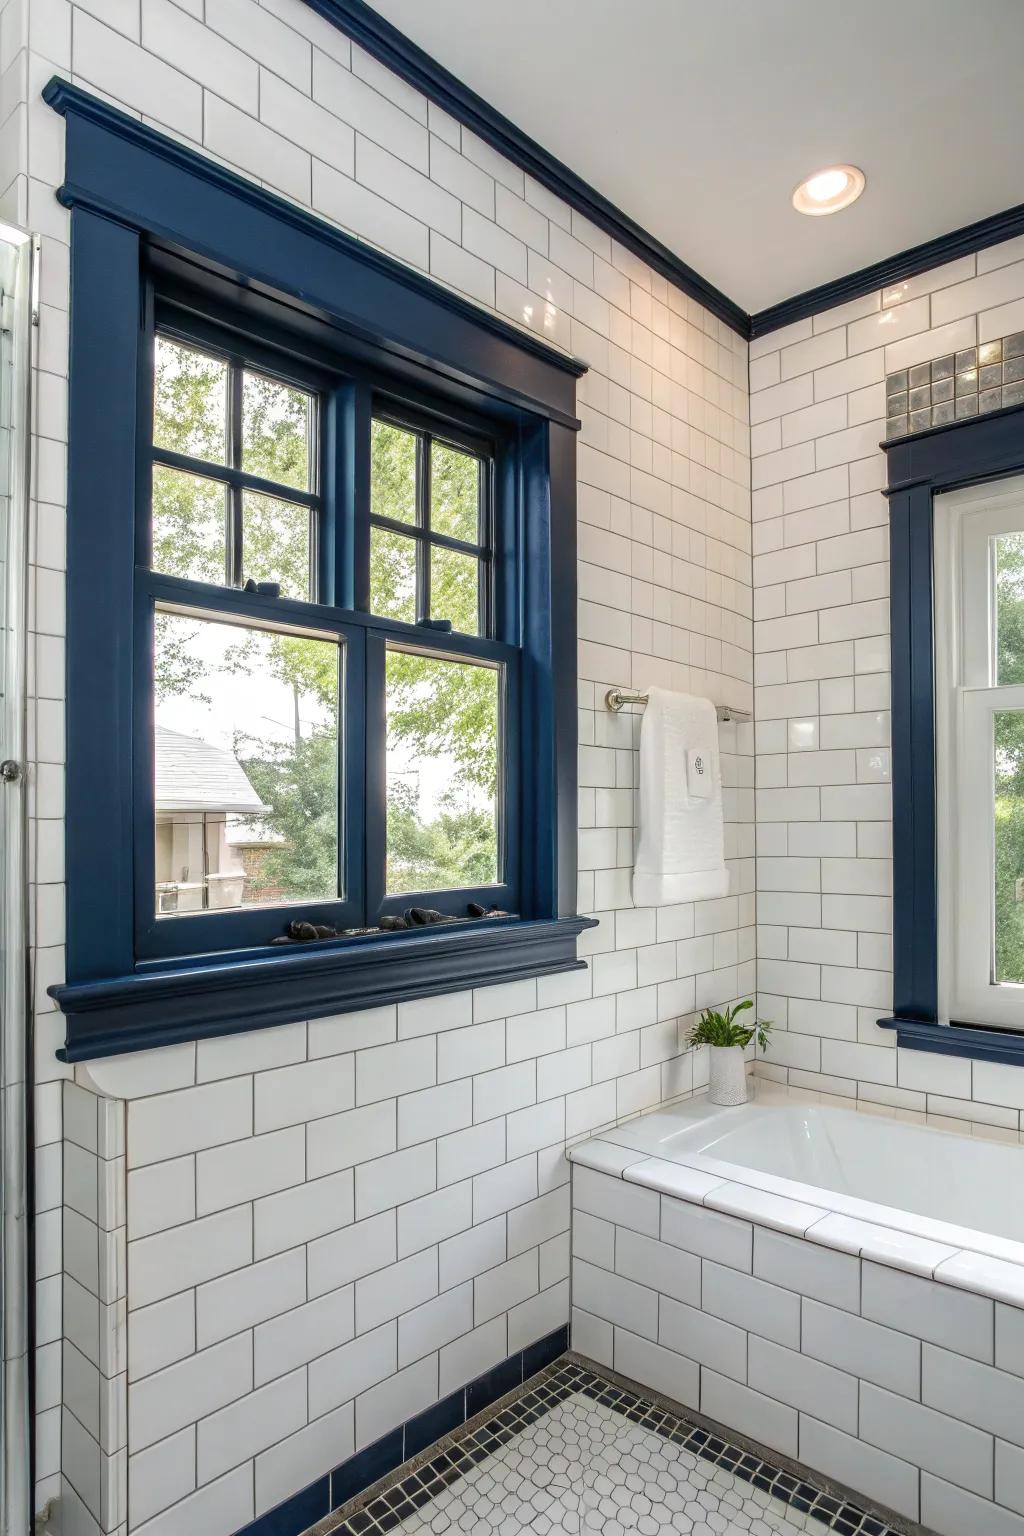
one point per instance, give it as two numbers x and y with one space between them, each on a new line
942 414
1013 394
896 405
990 352
990 400
1013 346
920 398
967 383
1013 369
968 358
966 405
896 426
920 421
990 376
943 367
896 383
942 389
921 374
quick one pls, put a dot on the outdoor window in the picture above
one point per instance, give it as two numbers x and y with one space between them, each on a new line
979 630
311 760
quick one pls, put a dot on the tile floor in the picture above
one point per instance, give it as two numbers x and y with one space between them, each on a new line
576 1454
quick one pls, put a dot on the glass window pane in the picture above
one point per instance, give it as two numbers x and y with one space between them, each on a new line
454 592
276 431
189 523
442 773
1009 845
246 748
392 575
1010 608
454 493
392 472
190 401
275 543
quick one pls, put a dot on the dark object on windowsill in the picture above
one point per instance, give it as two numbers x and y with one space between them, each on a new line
301 932
264 588
443 626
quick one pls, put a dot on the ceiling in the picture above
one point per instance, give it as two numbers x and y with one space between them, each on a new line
698 117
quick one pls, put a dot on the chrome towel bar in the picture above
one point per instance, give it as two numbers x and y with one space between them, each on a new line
615 698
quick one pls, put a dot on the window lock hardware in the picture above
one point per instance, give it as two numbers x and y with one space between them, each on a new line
10 771
443 626
263 588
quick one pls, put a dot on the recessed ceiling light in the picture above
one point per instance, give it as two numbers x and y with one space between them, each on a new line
829 190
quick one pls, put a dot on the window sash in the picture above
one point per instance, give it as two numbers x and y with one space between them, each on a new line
966 702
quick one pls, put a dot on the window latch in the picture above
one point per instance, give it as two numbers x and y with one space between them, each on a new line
443 626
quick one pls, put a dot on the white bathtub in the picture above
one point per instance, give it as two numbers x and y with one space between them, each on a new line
962 1192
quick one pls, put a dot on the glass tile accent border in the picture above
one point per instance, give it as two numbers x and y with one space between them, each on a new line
411 1491
979 379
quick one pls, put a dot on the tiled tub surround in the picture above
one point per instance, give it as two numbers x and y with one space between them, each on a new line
494 1083
844 1334
821 640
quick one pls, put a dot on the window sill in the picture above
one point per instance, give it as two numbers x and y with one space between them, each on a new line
224 997
972 1040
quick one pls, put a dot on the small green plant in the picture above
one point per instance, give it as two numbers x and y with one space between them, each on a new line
713 1028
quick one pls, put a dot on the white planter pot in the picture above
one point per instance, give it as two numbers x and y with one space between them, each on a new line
728 1076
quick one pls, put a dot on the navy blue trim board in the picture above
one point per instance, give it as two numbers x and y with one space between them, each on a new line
919 467
411 63
143 205
368 1466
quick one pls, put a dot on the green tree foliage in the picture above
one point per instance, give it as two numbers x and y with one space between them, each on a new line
1009 761
436 711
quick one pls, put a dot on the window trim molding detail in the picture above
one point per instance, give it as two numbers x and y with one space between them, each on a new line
130 188
966 453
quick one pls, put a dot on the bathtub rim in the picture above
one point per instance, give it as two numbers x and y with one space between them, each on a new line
963 1257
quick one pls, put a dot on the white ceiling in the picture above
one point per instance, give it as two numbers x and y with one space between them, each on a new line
698 117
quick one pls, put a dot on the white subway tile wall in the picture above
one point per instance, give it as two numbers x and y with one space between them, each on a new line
821 672
271 1174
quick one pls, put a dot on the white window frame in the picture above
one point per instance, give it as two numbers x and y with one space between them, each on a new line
966 523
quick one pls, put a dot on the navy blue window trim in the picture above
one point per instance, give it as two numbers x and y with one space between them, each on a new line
920 467
142 203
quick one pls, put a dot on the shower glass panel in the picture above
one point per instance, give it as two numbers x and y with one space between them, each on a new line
18 265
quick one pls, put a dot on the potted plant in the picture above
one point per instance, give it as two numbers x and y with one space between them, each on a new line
728 1040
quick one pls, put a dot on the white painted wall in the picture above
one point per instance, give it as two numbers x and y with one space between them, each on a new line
821 637
441 1123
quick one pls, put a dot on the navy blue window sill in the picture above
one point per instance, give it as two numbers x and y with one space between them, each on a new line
144 207
968 452
164 1006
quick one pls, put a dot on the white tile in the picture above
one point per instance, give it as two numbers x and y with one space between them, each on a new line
356 1136
653 1366
385 1071
344 1373
804 1383
672 1178
739 1298
671 1271
162 1475
470 1356
988 1399
401 1397
249 1296
887 1245
293 1095
892 1482
1010 1339
244 1428
989 1277
355 1250
767 1209
750 1413
172 1261
707 1233
217 1510
927 1439
955 1319
502 1188
538 1220
161 1334
300 1335
591 1336
399 1288
292 1464
161 1195
434 1217
172 1124
245 1170
703 1338
799 1266
258 1051
471 1252
352 1031
499 1289
1010 1476
888 1358
539 1315
622 1204
604 1156
300 1214
616 1300
390 1180
162 1403
434 1112
435 1323
951 1511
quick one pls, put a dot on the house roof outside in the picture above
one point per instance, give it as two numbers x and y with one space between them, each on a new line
193 775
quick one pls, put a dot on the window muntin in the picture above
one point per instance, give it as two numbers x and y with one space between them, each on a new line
979 625
220 423
429 513
430 714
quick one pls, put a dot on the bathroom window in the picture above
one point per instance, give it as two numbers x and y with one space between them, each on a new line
979 718
305 757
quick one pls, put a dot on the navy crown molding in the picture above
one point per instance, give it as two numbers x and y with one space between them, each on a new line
894 269
119 167
401 55
133 192
196 1001
942 459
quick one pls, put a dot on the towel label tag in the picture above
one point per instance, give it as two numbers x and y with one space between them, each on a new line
700 781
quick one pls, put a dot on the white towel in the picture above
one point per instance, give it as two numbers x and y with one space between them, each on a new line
681 852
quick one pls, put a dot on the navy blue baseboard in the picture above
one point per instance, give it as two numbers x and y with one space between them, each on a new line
367 1466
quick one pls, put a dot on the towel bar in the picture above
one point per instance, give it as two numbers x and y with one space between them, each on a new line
615 698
